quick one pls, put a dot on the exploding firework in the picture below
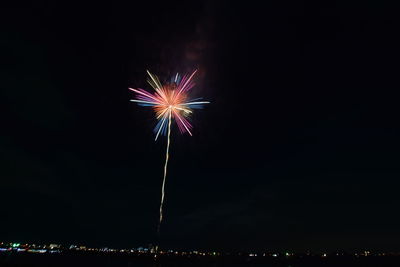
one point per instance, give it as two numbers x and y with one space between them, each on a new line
170 103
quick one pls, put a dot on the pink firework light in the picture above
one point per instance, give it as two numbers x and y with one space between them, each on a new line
170 102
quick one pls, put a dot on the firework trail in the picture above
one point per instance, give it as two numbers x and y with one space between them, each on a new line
169 102
165 172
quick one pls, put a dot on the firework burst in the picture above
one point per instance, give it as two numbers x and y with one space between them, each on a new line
170 103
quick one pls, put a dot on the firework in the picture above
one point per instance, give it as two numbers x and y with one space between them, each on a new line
170 103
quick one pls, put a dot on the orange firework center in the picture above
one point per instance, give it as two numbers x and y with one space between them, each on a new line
171 101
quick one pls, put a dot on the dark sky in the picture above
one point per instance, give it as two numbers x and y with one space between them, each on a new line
298 150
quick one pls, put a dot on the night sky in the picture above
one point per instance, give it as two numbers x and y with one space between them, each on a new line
298 150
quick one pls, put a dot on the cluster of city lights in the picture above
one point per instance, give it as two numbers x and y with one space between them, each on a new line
57 248
31 248
151 250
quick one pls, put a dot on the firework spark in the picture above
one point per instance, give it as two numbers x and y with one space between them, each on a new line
170 103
